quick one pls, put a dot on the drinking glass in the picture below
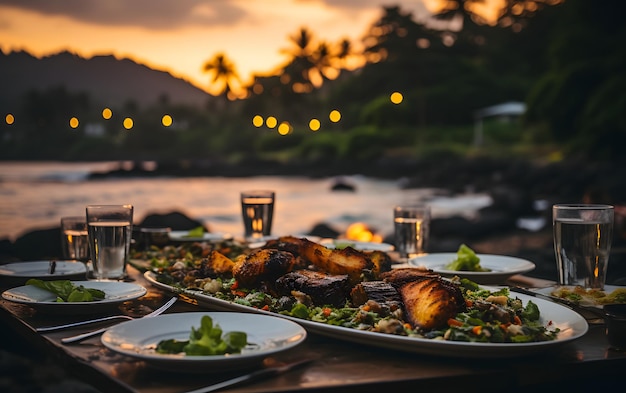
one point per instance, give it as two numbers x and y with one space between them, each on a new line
582 243
411 228
110 233
74 238
257 209
149 237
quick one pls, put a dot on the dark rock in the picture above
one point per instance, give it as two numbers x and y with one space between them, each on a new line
7 251
324 231
342 184
174 220
450 226
511 199
39 244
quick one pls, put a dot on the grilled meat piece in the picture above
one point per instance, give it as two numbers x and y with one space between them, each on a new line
216 264
262 265
379 291
430 302
381 261
399 277
285 243
322 288
346 261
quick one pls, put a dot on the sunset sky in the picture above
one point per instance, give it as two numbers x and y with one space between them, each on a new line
179 36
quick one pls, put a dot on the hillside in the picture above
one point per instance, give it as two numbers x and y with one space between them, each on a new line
106 79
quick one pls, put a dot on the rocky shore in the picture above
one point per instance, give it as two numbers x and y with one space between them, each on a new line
522 191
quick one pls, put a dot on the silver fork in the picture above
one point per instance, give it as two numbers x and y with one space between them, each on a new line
83 336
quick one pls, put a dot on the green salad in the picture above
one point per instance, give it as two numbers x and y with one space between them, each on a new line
466 260
67 291
207 340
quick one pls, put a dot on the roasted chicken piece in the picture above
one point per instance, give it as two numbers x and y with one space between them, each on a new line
346 261
323 289
216 264
428 300
262 265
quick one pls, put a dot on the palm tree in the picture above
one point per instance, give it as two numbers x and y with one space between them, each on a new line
510 13
224 72
344 52
301 63
313 62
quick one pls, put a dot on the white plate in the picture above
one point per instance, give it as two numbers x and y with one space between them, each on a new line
502 267
361 246
548 292
64 270
183 236
267 334
572 326
114 293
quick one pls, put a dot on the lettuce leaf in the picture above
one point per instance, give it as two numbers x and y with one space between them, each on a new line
466 260
66 291
205 341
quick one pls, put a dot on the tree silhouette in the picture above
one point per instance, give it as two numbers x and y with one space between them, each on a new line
311 62
224 73
345 52
513 13
302 61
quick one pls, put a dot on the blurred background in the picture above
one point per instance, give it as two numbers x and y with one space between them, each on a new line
342 83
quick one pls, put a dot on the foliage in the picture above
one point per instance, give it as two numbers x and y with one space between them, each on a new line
564 59
579 98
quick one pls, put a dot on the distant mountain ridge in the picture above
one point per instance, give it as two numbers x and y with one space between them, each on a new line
107 80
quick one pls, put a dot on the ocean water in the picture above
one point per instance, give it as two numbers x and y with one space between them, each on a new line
37 195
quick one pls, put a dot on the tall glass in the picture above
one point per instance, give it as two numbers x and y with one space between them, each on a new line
582 242
110 233
257 210
74 238
411 228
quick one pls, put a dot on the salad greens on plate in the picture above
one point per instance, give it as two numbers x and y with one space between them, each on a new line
207 340
66 291
466 260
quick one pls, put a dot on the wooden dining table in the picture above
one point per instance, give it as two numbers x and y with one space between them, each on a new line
337 366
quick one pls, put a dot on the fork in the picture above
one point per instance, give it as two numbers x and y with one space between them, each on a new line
81 323
254 376
84 336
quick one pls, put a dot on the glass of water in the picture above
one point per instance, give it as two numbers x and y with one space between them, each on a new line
110 233
411 229
74 238
582 242
257 209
